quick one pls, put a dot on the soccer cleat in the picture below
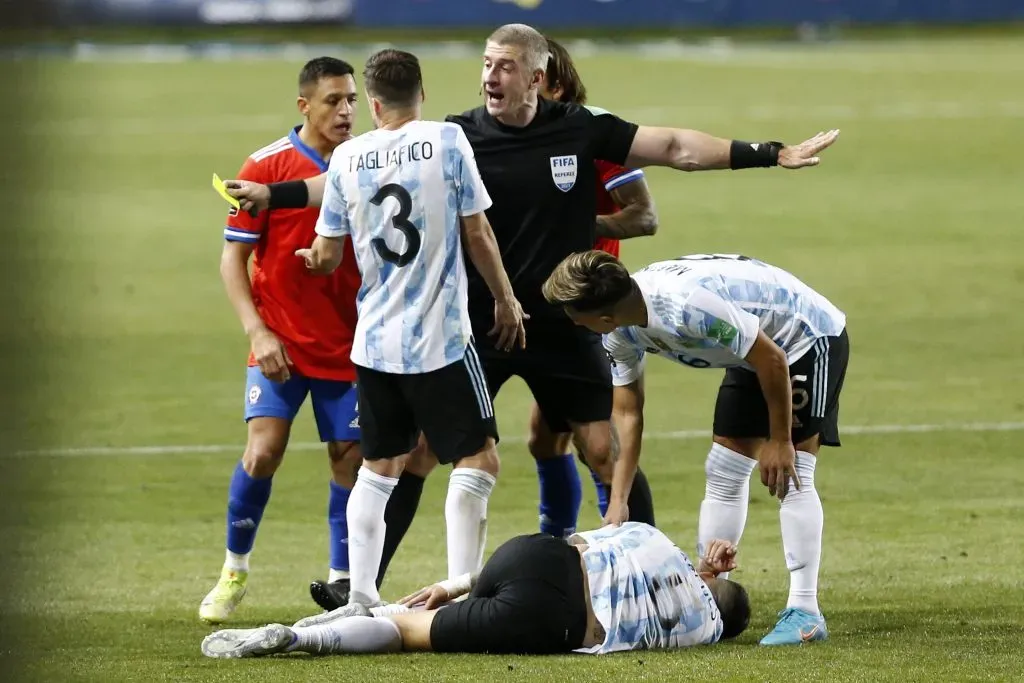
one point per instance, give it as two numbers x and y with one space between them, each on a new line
352 609
795 626
330 596
220 603
248 642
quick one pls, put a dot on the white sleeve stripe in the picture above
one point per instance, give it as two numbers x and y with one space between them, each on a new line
623 179
241 235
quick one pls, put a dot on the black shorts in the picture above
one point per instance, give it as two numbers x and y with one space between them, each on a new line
529 600
564 365
451 406
741 411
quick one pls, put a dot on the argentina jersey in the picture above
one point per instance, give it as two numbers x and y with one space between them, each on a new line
399 195
705 311
645 591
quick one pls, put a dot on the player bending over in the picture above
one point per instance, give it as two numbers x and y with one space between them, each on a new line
785 348
617 588
409 197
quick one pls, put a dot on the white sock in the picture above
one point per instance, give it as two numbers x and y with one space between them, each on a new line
336 575
802 520
236 562
366 526
723 512
465 511
354 635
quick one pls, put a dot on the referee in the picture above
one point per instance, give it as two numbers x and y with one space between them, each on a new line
536 158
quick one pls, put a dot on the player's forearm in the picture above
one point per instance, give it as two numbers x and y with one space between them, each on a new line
234 272
773 375
630 429
482 248
635 220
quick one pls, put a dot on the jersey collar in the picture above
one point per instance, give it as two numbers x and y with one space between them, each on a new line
306 150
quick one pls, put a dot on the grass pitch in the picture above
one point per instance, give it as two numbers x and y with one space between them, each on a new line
911 225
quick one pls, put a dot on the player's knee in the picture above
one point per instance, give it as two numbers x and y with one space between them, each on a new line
262 458
485 459
345 458
745 447
544 445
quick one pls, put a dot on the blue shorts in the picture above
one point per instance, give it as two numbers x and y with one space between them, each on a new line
335 406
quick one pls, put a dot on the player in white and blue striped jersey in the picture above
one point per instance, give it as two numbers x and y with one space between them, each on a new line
618 588
410 198
785 350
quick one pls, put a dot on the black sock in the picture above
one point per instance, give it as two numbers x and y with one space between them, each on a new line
640 501
398 516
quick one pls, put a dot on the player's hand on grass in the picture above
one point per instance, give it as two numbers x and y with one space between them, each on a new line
271 356
254 197
719 556
430 597
617 514
778 463
508 324
806 153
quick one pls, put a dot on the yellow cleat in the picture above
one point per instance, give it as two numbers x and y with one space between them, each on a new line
221 602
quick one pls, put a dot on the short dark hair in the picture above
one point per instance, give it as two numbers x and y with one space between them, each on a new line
393 77
561 73
323 67
589 282
734 607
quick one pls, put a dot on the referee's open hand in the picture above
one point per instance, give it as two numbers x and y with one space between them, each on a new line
508 324
806 153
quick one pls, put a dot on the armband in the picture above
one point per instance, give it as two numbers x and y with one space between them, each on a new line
754 154
293 194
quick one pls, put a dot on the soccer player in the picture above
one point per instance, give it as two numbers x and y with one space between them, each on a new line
300 329
409 198
537 159
786 350
619 588
625 209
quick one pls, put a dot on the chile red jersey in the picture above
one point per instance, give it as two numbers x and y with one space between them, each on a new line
314 316
610 176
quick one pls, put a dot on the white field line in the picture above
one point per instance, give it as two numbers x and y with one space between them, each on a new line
680 435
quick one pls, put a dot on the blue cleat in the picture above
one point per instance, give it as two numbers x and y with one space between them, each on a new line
795 626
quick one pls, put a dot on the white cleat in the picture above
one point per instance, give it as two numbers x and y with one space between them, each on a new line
248 642
352 609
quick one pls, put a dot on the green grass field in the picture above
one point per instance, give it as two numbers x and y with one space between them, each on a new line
912 225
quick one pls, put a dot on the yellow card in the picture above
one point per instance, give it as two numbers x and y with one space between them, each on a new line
218 185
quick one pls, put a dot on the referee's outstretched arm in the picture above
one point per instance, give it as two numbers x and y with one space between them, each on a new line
692 150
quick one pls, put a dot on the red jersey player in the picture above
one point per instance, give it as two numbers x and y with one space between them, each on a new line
625 209
300 327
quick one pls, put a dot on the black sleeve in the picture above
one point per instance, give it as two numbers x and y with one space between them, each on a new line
610 136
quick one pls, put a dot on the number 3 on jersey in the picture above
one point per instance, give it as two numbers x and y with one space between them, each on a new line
400 221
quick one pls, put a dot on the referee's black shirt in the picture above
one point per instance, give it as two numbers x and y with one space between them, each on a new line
542 182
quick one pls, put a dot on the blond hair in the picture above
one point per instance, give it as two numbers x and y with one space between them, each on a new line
533 44
588 281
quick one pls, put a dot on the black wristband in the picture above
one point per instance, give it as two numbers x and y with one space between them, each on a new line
754 154
293 194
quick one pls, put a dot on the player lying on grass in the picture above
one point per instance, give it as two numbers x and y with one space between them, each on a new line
618 588
786 350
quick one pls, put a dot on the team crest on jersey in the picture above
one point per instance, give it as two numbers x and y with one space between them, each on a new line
254 394
563 171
